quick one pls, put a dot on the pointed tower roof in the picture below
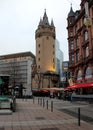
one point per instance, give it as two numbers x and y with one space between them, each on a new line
52 23
71 13
41 22
45 19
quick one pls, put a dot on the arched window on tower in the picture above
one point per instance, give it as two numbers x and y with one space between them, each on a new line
38 45
38 52
38 59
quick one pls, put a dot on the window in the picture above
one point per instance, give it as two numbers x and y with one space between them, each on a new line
47 38
92 12
71 34
79 75
87 51
77 56
65 64
76 42
38 45
72 45
38 52
39 67
85 35
88 73
71 21
82 21
53 66
38 59
72 58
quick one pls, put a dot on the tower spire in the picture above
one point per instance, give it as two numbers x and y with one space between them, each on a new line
52 23
41 22
45 19
71 13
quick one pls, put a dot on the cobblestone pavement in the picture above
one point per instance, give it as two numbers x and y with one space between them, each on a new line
32 116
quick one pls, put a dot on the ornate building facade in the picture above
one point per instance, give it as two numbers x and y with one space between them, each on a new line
80 42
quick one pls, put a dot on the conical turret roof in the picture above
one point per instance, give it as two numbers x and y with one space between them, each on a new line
41 22
71 13
52 23
45 19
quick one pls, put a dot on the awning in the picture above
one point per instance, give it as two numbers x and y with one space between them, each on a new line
51 89
44 90
71 87
57 89
83 85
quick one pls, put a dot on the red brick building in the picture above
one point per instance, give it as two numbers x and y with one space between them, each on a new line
80 42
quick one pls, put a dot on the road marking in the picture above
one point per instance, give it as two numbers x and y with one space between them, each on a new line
72 106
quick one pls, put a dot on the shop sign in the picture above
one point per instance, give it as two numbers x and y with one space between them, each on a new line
87 22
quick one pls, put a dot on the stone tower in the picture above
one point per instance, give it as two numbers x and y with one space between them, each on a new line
44 71
45 45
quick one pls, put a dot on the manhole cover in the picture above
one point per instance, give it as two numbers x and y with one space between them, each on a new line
49 129
40 118
1 128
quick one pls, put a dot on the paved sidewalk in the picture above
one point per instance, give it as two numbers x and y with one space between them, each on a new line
32 116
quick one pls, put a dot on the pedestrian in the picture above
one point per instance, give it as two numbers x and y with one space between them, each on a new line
73 93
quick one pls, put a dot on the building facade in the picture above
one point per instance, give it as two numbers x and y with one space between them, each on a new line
18 68
80 42
59 58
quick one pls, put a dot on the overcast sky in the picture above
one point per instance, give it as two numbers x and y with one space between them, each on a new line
19 20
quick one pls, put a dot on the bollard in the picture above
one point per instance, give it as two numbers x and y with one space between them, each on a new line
43 103
47 104
33 100
25 98
78 116
51 106
38 100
